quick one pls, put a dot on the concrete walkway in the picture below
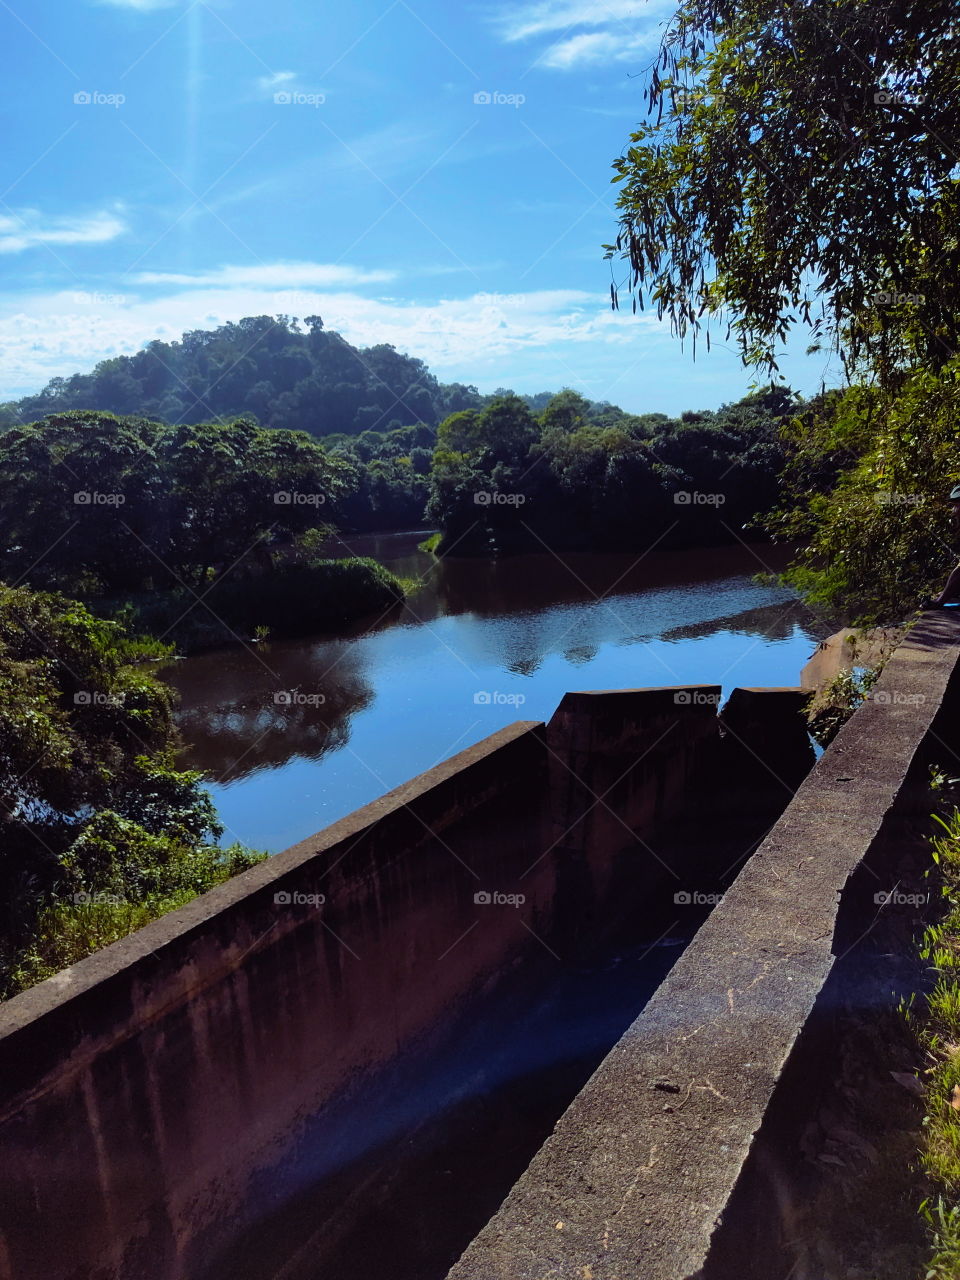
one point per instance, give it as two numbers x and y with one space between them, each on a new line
635 1179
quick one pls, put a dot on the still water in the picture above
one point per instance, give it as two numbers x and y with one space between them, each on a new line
295 734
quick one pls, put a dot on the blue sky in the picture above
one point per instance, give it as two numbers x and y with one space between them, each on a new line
430 174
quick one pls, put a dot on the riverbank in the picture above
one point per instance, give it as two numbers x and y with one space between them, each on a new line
482 643
287 601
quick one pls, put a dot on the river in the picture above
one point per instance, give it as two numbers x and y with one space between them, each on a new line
295 734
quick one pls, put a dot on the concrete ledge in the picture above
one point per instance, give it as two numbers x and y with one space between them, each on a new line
40 1027
643 1163
247 1011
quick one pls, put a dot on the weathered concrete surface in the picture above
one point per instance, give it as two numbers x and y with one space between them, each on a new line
846 649
144 1089
622 760
641 1166
765 741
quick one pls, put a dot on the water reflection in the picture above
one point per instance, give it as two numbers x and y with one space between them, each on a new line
394 695
244 710
771 621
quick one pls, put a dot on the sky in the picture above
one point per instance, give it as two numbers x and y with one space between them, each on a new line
431 174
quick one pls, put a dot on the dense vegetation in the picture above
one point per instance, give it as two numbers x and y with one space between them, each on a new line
128 509
190 531
865 492
579 475
264 368
800 165
938 1030
800 160
100 832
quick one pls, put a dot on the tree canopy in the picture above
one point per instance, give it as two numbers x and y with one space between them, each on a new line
270 369
800 163
100 831
581 474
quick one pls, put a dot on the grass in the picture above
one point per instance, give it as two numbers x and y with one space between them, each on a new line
71 928
430 544
938 1030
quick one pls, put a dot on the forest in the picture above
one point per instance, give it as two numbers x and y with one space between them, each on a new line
272 370
128 511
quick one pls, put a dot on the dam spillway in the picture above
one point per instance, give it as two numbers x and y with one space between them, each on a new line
346 1056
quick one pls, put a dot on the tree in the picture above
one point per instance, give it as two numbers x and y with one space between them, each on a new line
90 802
107 504
566 411
264 367
800 162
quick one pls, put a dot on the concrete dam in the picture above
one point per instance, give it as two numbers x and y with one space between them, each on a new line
453 1031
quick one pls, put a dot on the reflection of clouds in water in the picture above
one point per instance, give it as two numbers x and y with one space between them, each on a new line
520 642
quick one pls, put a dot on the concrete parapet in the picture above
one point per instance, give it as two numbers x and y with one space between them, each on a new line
766 743
623 760
144 1090
643 1165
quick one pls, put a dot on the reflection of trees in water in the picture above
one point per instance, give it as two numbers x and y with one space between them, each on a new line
524 666
532 583
513 613
240 712
772 621
580 655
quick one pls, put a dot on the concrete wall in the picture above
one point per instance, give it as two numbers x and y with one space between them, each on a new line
142 1090
656 1150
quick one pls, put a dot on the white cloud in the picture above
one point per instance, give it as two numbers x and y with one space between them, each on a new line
623 29
28 229
44 335
522 22
589 46
286 275
276 79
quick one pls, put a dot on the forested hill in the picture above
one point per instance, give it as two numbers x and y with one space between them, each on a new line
277 370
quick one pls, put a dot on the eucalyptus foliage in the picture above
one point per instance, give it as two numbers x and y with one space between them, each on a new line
799 164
